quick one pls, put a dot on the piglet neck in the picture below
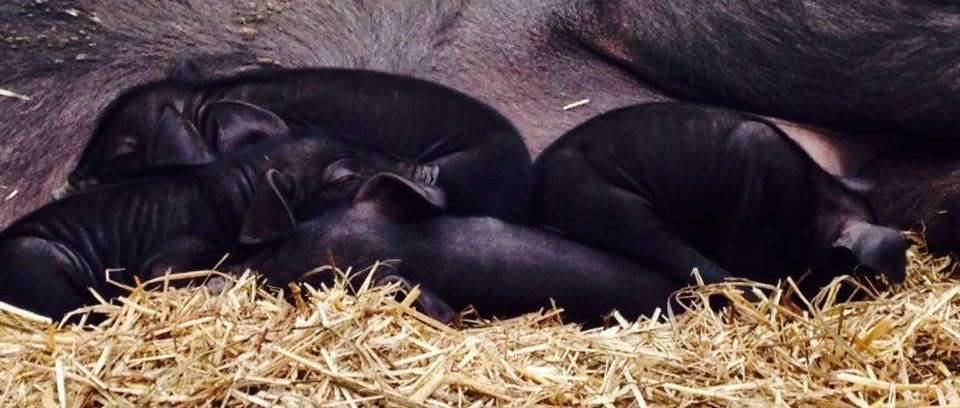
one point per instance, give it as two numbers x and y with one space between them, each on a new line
361 236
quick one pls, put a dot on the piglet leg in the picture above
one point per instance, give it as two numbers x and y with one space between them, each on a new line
43 277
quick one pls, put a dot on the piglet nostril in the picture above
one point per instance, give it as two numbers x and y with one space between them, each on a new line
78 181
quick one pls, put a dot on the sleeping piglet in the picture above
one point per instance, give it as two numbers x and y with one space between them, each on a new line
183 219
683 186
500 268
481 160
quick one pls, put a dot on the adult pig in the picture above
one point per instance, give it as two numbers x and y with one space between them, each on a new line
484 167
502 269
182 220
861 66
683 186
854 66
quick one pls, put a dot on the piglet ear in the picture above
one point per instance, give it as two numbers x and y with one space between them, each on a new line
237 124
176 142
879 248
269 216
401 199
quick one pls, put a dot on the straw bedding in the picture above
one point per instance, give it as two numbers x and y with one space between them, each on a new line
247 346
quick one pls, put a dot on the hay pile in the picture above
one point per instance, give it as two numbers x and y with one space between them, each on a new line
248 347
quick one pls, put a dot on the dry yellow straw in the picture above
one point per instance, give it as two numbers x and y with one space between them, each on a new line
247 346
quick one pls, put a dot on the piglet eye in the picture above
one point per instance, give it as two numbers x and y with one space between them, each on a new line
126 145
338 171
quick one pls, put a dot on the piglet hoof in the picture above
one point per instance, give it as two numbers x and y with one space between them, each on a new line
747 292
427 303
217 285
727 299
442 312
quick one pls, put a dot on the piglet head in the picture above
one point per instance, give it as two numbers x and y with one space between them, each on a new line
354 234
386 197
879 248
847 227
143 129
155 127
